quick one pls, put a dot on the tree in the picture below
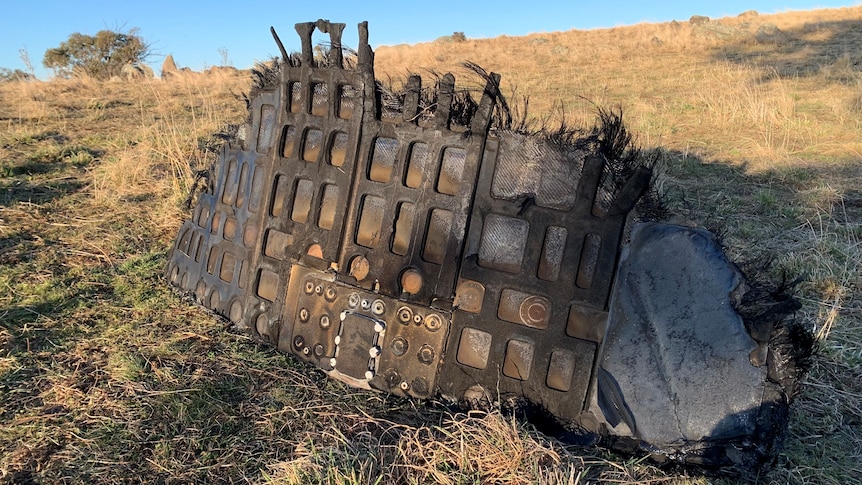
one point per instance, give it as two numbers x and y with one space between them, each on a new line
100 56
7 75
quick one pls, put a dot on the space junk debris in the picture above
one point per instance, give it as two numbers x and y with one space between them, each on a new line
417 243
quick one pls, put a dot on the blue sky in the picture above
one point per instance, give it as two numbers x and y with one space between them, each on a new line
197 33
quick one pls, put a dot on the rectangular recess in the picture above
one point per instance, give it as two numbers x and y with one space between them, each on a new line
185 240
319 99
451 170
416 165
277 243
266 132
243 185
229 228
212 256
383 157
338 148
370 221
302 201
403 231
586 323
229 191
437 236
256 190
347 95
267 284
279 195
561 370
589 260
474 348
228 266
295 97
215 227
288 141
519 359
328 206
552 253
311 144
199 248
503 242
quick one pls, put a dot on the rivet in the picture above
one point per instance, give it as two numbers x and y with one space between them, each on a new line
405 315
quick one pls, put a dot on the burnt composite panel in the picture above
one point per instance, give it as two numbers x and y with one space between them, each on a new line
446 280
399 250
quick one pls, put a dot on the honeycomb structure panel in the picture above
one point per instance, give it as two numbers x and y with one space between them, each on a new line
408 244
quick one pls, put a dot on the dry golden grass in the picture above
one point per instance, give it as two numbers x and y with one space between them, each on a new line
106 377
684 87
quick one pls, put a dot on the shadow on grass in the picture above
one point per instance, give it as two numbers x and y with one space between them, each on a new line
812 49
17 191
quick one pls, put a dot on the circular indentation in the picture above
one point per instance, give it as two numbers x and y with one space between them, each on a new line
399 346
298 342
359 267
304 315
533 310
330 293
378 307
309 287
420 385
433 322
235 311
365 305
417 319
325 322
469 296
318 289
392 377
426 354
405 315
262 325
353 300
315 251
411 281
319 350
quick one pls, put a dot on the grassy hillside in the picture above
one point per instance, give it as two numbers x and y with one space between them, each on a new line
106 376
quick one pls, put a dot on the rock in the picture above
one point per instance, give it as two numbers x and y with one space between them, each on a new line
136 71
698 20
147 71
676 365
224 70
749 14
718 31
769 33
169 67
